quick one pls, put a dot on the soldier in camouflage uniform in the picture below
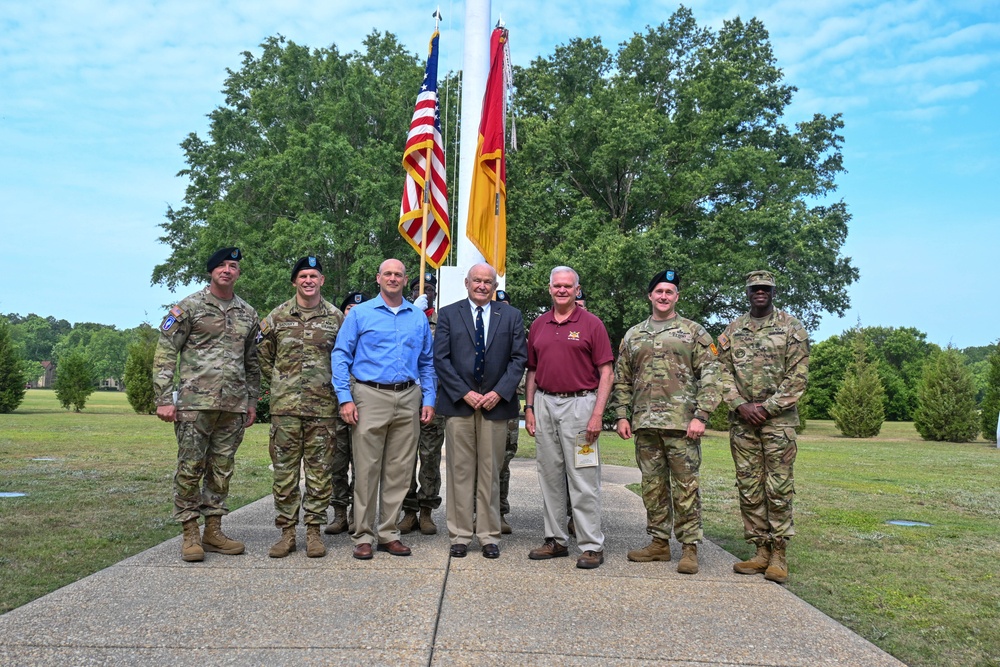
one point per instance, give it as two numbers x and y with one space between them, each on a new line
343 486
424 495
296 340
667 375
765 363
207 349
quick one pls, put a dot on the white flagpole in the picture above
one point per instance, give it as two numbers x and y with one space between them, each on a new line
475 70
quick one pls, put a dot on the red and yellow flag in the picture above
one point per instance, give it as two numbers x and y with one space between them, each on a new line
487 223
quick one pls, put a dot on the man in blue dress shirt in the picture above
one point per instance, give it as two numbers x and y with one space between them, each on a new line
385 344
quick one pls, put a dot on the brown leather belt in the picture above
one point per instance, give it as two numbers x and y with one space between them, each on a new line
567 394
398 386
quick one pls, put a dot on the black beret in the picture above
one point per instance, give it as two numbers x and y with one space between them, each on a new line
221 256
306 263
352 299
503 296
429 279
580 296
665 276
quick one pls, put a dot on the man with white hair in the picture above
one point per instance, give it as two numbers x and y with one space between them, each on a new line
569 380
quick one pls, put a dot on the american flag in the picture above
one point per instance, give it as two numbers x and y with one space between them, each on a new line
425 132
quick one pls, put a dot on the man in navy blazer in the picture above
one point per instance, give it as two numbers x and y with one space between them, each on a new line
477 393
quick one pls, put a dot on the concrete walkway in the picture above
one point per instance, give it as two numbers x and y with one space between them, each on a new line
428 609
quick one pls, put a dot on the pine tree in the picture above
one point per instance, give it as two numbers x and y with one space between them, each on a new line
74 381
859 409
990 408
11 375
946 399
138 375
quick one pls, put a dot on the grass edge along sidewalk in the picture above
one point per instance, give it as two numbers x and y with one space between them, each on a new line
927 595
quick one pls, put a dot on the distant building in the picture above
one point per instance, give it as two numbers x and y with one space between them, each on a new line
48 377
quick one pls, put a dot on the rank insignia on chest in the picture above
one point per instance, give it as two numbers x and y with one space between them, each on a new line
573 335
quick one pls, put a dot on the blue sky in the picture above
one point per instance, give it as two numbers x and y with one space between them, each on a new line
95 97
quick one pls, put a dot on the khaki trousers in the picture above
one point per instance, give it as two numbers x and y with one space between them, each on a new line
385 447
557 423
475 449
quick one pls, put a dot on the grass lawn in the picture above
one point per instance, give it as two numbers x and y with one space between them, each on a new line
106 495
929 596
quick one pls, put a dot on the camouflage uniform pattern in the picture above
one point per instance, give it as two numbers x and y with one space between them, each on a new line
207 441
425 482
667 374
670 465
766 363
295 346
209 348
510 450
297 443
343 485
294 351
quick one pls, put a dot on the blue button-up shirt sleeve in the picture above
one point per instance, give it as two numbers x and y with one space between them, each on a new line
377 345
425 365
342 357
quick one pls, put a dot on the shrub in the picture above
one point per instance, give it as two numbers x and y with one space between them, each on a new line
11 374
138 375
990 409
859 409
946 408
74 381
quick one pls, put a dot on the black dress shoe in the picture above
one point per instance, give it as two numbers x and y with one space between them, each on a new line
459 550
491 551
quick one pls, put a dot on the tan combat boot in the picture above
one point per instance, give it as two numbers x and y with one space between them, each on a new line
658 549
427 526
215 540
314 542
339 523
757 564
191 550
285 545
777 568
408 523
689 559
505 528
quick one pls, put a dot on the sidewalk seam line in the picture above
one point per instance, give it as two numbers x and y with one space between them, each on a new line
437 617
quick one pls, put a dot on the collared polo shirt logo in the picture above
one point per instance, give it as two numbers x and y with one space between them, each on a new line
574 335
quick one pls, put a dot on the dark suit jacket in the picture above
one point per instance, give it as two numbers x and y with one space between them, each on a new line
455 355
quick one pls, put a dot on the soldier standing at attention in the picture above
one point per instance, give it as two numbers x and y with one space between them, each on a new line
667 375
207 345
425 482
764 357
296 340
343 488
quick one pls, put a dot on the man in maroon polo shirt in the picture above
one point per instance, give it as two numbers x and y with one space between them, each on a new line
569 380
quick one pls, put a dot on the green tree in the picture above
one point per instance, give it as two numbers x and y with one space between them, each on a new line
74 381
11 374
900 353
671 152
947 400
303 158
138 375
990 408
38 335
104 346
859 410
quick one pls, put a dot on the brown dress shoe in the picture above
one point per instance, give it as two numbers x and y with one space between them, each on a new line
396 548
551 549
363 551
590 560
